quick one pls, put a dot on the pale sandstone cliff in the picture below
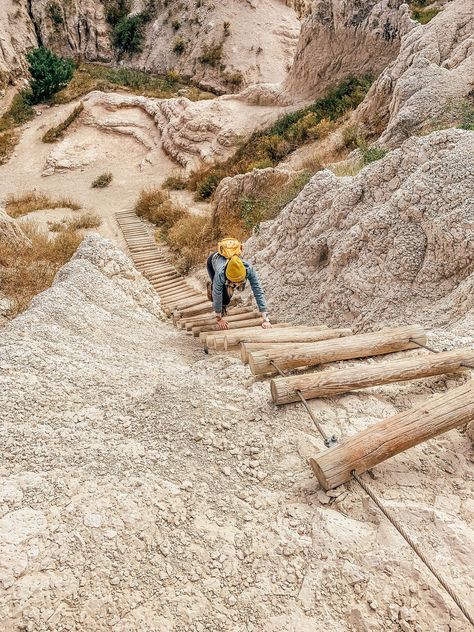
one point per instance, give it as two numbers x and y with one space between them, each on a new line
430 77
342 39
259 41
393 244
17 36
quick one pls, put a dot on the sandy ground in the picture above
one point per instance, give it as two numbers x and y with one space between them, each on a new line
90 152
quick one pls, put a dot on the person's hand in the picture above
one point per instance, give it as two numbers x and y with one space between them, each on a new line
266 324
222 324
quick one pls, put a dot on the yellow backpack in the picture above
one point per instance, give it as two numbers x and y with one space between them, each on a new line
229 247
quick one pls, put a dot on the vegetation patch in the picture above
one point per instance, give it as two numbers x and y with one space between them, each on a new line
19 112
49 73
88 77
187 235
84 221
56 133
55 14
212 54
176 183
268 148
128 31
422 11
179 46
29 269
102 181
250 211
19 205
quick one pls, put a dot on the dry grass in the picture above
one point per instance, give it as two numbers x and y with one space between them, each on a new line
55 133
89 77
8 141
102 181
190 240
18 205
156 206
347 168
84 221
28 270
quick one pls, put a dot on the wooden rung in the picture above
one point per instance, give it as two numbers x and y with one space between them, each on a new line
215 340
290 334
387 340
204 308
239 324
210 321
389 437
334 382
249 347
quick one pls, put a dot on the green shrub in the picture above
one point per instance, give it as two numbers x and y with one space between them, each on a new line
55 14
55 133
102 181
207 186
49 73
371 153
176 24
116 10
179 46
234 79
423 16
212 54
128 34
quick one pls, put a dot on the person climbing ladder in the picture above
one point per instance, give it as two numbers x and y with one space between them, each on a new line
229 272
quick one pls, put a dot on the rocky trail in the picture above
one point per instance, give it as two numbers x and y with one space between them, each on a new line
170 494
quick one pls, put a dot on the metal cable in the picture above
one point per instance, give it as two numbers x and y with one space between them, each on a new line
327 440
420 344
330 441
407 537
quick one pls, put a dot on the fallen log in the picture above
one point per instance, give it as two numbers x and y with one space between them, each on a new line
333 382
249 322
388 340
391 436
249 347
291 334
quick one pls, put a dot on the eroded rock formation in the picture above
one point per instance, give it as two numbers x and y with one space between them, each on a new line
17 36
393 244
427 82
343 39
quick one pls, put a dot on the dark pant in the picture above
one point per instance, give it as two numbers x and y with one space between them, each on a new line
211 272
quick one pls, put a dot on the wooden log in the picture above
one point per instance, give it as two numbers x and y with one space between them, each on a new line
250 322
176 283
177 310
210 321
334 382
204 308
388 340
169 282
387 438
291 334
182 322
215 339
250 347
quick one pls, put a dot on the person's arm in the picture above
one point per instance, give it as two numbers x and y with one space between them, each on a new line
259 295
217 291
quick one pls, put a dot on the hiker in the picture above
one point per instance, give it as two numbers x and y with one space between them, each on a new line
229 272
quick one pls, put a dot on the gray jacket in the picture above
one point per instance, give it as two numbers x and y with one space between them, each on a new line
219 263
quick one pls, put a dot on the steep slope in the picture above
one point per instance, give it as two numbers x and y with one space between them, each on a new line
427 83
393 244
17 35
145 486
342 39
257 43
